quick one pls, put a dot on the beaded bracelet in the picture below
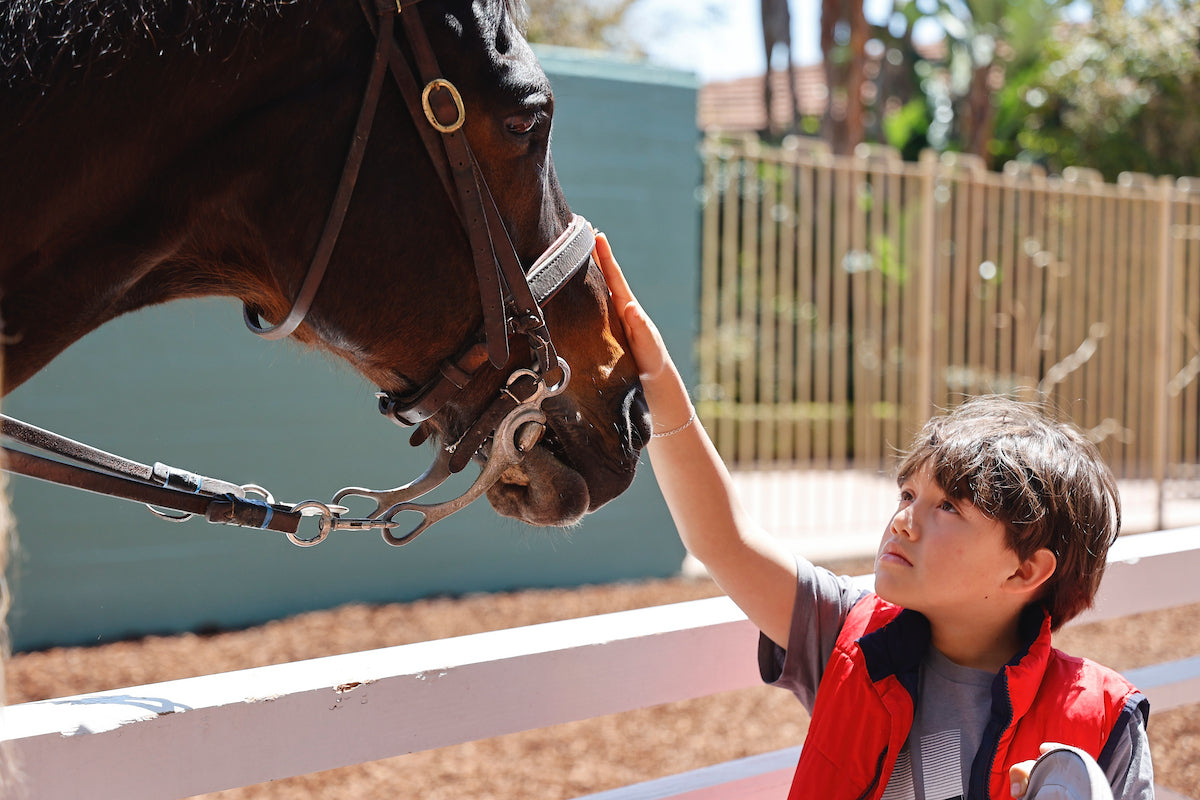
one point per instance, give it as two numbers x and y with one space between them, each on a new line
674 431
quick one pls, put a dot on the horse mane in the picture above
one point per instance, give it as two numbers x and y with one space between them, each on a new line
40 37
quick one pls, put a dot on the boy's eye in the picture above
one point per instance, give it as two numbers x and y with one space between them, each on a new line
905 496
948 506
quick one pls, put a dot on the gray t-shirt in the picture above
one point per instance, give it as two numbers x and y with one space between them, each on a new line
953 702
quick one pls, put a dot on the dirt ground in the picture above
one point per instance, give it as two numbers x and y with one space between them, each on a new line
567 760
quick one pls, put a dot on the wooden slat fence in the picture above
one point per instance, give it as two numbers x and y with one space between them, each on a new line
845 299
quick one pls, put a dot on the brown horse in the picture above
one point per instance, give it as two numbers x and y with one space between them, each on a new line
163 149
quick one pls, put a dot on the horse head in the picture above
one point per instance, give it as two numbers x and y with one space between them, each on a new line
212 167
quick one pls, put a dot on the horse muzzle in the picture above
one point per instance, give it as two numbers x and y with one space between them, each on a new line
575 468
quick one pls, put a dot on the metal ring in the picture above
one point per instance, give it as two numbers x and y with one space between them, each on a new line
312 508
184 517
442 83
517 374
559 387
322 534
254 488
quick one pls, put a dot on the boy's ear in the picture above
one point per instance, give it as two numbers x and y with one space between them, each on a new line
1033 571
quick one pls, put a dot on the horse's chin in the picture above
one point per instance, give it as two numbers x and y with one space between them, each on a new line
542 491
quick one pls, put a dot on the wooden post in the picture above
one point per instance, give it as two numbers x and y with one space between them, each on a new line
1162 349
925 267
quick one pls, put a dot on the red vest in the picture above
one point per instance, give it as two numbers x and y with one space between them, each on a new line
864 706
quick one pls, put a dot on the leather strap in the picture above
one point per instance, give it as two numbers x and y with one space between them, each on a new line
569 253
159 486
497 267
411 92
384 43
512 396
487 249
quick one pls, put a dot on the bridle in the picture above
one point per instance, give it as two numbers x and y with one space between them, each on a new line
511 301
510 298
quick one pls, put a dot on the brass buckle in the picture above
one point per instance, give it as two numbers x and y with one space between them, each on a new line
442 83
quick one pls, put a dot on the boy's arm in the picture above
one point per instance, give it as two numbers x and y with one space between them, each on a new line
753 568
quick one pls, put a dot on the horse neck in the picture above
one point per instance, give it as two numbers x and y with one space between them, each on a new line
137 187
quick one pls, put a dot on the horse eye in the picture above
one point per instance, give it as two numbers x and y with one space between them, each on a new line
523 124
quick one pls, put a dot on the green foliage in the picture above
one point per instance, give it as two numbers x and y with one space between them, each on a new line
907 130
983 39
889 258
1013 115
1119 93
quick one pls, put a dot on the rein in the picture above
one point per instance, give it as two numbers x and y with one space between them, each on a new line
511 301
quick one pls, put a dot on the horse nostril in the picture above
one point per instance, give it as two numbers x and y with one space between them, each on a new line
636 416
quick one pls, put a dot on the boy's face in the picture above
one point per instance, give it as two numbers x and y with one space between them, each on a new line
942 557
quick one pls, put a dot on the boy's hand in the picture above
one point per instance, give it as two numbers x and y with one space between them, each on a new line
1074 775
645 342
1018 774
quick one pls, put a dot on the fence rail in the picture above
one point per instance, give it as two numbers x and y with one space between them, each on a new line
844 299
180 738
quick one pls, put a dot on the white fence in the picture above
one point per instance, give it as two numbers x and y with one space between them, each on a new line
181 738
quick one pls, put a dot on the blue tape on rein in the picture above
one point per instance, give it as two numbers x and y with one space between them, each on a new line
264 504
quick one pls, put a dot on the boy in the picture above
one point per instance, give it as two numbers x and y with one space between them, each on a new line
942 684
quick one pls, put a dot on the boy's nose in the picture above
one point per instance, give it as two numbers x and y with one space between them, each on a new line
902 523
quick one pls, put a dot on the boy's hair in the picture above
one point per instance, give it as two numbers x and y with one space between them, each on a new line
1043 479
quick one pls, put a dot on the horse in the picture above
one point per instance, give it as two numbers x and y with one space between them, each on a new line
155 150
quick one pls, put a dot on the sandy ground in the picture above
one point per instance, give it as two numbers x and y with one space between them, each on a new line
568 760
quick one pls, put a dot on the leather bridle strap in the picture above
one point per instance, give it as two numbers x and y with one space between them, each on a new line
490 244
341 201
570 253
491 249
497 266
511 300
411 92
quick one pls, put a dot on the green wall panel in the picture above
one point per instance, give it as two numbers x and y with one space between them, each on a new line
185 384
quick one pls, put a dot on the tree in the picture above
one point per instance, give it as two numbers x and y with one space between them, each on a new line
844 35
593 25
1120 92
985 41
777 31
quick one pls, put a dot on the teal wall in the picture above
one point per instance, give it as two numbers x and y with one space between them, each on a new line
185 384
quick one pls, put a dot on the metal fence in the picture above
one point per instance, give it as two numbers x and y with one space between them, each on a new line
845 299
